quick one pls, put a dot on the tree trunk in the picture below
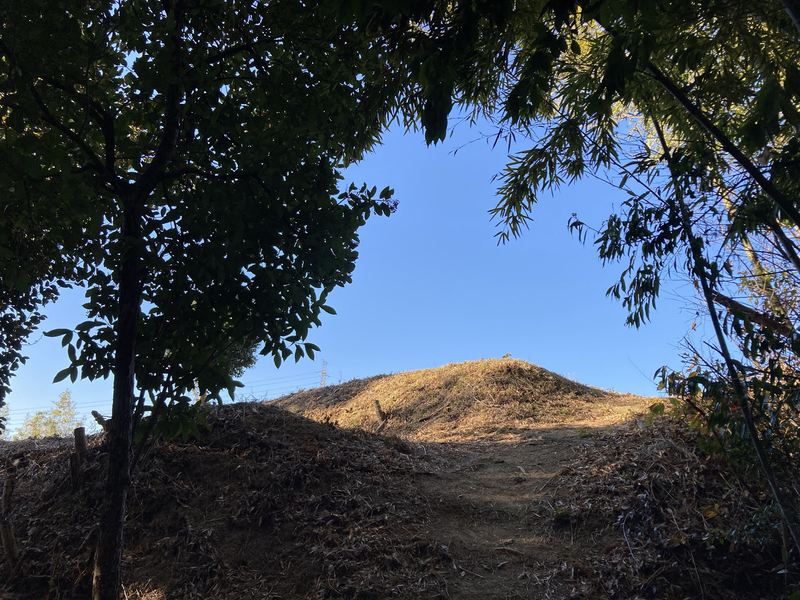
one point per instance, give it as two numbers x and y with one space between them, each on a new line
106 582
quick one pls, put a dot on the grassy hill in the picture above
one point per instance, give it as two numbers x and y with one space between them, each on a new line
469 398
489 480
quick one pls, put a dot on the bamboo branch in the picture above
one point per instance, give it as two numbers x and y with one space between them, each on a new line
783 202
779 326
792 8
785 245
780 199
788 513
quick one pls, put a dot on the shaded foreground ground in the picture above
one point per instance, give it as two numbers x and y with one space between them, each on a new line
472 489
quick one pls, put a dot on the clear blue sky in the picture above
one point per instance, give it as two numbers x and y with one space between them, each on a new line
432 287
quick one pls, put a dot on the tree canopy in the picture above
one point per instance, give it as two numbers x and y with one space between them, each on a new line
228 147
180 160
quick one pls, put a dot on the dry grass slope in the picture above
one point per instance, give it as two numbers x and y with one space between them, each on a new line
267 505
469 398
537 489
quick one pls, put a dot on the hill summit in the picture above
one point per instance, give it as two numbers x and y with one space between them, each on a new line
468 398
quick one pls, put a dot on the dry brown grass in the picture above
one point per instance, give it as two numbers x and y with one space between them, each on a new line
539 491
267 505
457 400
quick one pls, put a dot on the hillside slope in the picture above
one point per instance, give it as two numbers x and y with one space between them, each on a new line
267 505
470 398
273 505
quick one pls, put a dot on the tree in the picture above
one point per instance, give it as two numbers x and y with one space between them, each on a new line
692 109
59 421
183 156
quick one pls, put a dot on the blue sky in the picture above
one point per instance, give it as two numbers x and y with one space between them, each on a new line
432 287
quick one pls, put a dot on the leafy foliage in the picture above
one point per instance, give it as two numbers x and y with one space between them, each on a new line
59 421
181 160
244 213
691 108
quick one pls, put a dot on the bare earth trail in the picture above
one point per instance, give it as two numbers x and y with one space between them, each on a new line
498 440
493 508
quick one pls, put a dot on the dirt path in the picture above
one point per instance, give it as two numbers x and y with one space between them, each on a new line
493 509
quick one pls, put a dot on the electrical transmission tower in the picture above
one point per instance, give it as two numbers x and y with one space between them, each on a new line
324 373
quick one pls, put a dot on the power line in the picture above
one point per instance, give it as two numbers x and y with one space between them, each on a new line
275 392
308 382
285 384
270 380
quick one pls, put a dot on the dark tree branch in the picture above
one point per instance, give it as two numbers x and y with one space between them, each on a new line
74 137
778 325
177 174
226 53
155 170
49 118
152 175
105 120
788 512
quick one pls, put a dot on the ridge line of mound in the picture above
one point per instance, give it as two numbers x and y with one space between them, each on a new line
458 399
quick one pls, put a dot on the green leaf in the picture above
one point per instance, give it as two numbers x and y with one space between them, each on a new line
87 325
66 339
62 374
57 332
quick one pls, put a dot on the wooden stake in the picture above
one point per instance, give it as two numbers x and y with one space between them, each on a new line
75 470
80 443
9 543
379 414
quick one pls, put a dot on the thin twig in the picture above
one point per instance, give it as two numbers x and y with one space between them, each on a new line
544 485
456 565
507 549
